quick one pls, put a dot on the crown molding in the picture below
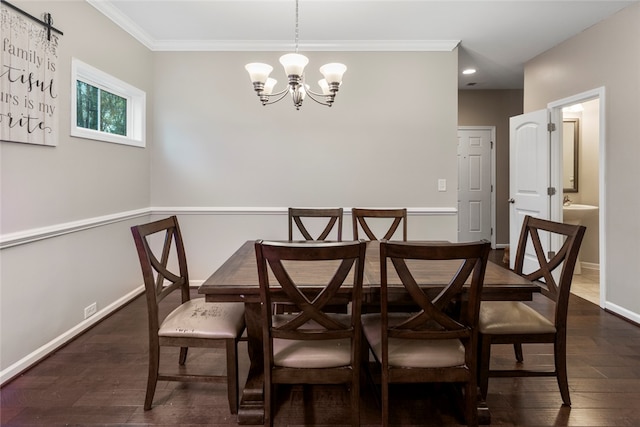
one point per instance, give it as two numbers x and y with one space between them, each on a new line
308 46
121 20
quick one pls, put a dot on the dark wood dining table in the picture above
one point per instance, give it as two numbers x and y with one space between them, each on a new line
237 280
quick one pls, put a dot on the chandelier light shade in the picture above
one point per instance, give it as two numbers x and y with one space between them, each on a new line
293 64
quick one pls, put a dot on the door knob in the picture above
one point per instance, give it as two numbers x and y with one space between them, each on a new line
512 200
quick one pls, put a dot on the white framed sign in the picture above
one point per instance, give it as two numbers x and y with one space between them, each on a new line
28 80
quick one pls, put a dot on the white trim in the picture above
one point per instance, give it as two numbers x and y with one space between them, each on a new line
307 46
589 266
123 21
136 105
621 311
556 107
37 355
253 210
35 234
120 19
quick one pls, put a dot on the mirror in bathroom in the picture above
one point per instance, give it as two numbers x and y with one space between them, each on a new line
570 142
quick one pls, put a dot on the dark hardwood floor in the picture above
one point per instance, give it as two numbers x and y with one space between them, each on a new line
100 378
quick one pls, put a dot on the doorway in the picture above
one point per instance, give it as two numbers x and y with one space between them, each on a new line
586 111
476 181
536 174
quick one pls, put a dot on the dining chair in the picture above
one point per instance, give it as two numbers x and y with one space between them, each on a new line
311 346
437 342
513 322
333 216
364 218
192 322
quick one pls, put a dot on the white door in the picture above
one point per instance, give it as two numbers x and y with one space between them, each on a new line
529 177
474 183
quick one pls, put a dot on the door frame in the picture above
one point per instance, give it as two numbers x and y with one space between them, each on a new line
556 171
492 129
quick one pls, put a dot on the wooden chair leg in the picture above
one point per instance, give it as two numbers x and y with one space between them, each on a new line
384 385
355 403
232 374
484 364
183 355
561 370
517 349
152 379
471 403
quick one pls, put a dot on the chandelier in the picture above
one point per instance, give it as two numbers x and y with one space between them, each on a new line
294 64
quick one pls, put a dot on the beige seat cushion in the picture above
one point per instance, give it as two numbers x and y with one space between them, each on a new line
512 317
199 319
412 353
312 353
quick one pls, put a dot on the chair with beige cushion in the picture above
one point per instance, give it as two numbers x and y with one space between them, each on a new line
311 346
303 218
365 219
437 342
513 322
190 322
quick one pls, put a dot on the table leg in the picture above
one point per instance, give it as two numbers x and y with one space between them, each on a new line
251 408
484 415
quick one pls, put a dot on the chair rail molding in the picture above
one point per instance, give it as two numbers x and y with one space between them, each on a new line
35 234
257 210
32 235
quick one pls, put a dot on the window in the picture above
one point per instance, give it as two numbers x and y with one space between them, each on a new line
105 108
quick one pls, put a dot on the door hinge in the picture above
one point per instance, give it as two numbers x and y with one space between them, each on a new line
551 191
551 127
491 231
492 145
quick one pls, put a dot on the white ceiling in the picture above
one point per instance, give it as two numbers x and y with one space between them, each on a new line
495 37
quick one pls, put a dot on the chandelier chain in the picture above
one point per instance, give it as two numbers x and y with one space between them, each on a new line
297 31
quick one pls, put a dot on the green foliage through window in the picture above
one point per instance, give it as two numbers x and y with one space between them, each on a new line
100 110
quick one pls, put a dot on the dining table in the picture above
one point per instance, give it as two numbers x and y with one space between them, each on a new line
236 280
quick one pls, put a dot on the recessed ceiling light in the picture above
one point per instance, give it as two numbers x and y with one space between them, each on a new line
469 71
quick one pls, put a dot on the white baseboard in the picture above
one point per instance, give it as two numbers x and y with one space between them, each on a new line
627 314
590 266
37 355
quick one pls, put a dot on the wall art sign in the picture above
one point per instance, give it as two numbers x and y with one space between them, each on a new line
28 79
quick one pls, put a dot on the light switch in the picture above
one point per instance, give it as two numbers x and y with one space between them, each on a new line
442 185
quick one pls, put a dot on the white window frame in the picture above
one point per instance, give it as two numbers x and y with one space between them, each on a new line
136 105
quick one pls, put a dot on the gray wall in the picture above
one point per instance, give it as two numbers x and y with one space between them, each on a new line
374 147
66 209
605 55
217 147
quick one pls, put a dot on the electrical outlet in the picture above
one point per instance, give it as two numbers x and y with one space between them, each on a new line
442 185
90 310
